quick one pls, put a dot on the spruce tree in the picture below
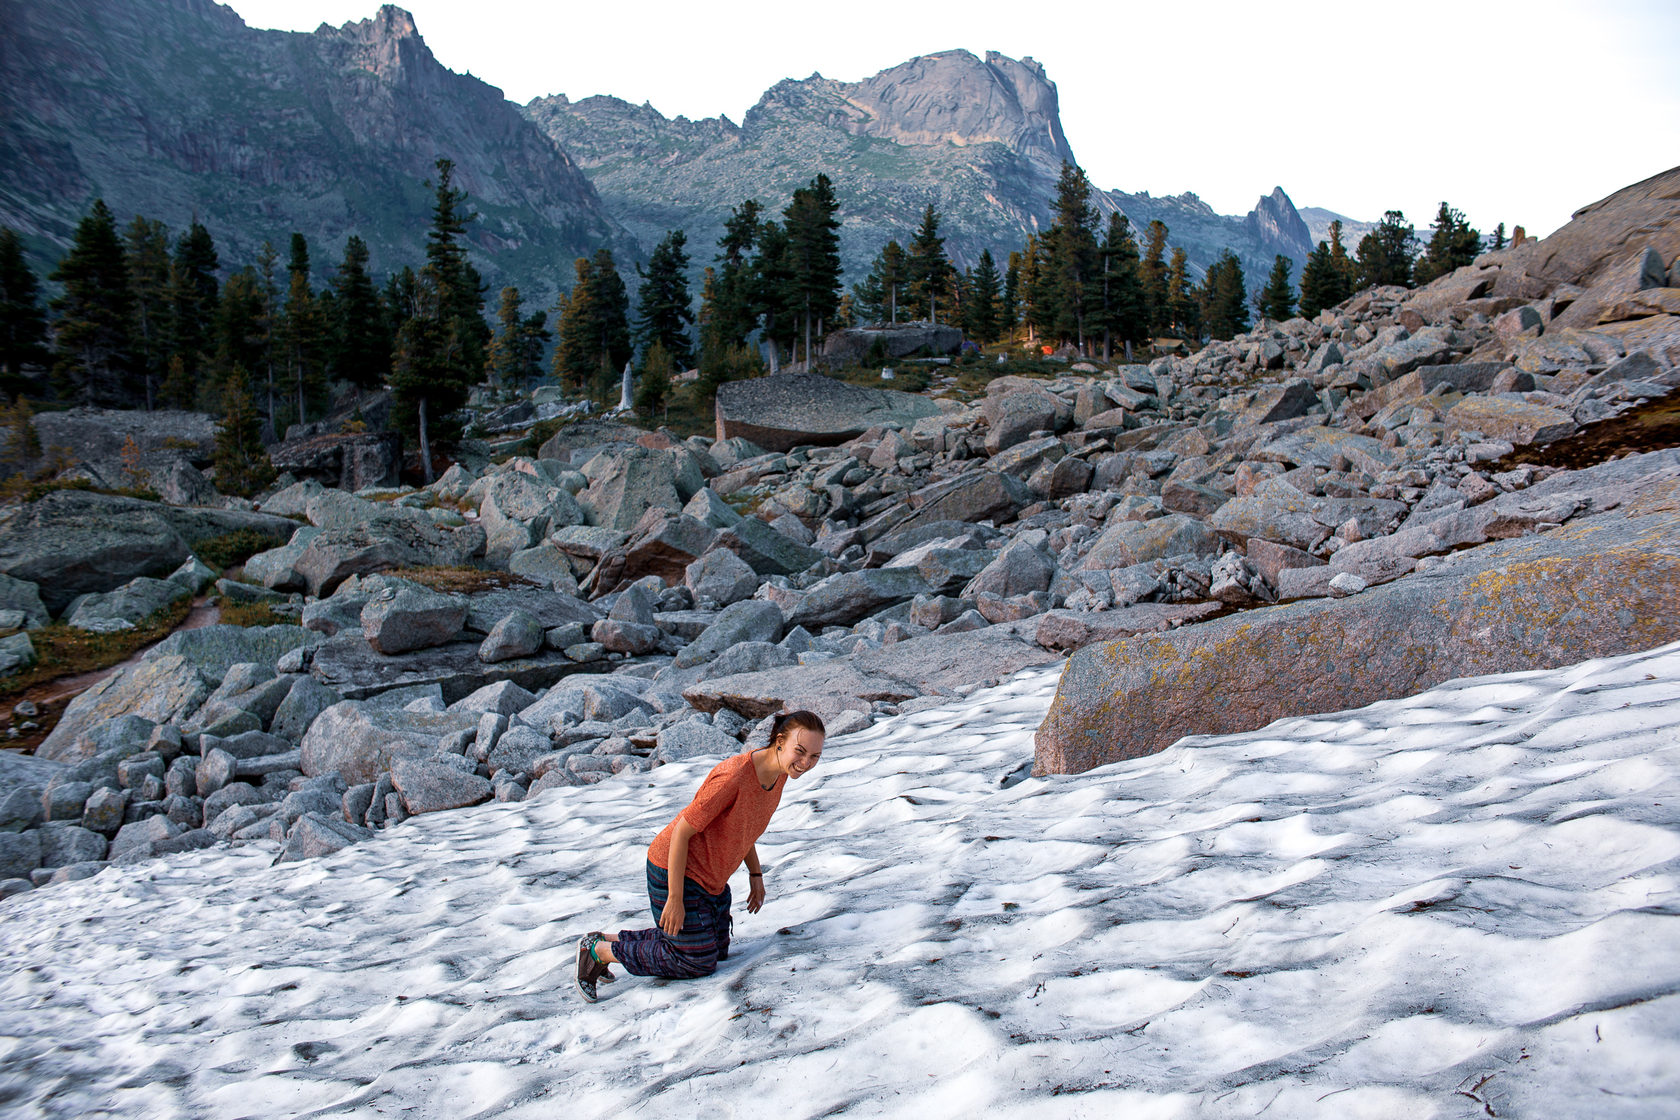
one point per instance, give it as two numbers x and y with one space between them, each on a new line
267 260
577 355
1498 241
666 309
655 383
980 318
1120 311
1033 307
813 243
303 333
1223 298
1452 245
242 464
1277 298
361 348
1073 256
734 305
92 337
612 316
505 364
239 329
928 271
23 322
876 298
193 291
1385 254
146 249
1318 282
1346 272
460 289
1182 311
1009 311
1153 273
773 289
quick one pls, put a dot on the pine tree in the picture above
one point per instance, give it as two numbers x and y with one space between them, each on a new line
1182 312
1153 273
1498 237
23 322
505 364
193 291
1345 271
655 383
612 316
875 299
1452 245
460 289
146 249
1319 282
1009 312
813 241
242 464
577 357
666 308
927 270
1120 313
980 319
92 344
1277 298
773 290
734 304
361 348
238 333
1073 257
1034 278
1385 254
1223 297
303 333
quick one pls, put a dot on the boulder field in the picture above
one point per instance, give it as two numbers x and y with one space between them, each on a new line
1314 515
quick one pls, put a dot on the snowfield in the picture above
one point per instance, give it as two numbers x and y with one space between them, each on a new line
1464 904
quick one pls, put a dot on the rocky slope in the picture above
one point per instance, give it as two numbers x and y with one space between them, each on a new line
172 108
979 138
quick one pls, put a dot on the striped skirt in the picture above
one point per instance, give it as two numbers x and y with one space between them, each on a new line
697 947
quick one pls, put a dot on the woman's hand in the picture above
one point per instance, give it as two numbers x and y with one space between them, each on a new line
755 894
672 917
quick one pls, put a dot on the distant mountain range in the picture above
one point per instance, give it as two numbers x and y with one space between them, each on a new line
173 108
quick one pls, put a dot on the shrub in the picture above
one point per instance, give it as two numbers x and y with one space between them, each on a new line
225 551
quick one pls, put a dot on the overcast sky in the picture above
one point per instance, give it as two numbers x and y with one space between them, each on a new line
1518 112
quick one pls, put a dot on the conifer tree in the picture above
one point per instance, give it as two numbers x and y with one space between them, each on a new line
1009 311
1498 241
1385 254
193 291
666 309
242 464
1182 310
1452 245
980 308
1120 311
1277 298
460 289
655 383
361 347
1034 307
1153 273
505 364
1346 272
612 315
875 298
772 272
1318 282
927 270
577 356
92 340
23 322
1073 256
238 332
1223 298
812 226
304 335
734 304
146 250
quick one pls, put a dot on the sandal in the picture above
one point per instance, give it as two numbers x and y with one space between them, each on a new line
589 970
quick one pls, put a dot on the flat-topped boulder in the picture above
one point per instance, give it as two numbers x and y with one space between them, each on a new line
897 340
348 460
784 411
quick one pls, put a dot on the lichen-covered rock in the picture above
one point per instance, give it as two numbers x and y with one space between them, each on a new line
429 787
158 688
401 619
361 740
781 412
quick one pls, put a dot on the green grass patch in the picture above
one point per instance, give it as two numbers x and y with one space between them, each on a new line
461 580
225 551
254 614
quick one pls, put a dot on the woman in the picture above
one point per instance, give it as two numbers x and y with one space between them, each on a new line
700 850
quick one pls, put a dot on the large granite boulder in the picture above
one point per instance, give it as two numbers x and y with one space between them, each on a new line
74 542
898 340
766 550
1125 543
751 620
24 597
349 666
848 597
1509 419
967 498
398 620
100 435
519 510
362 740
628 480
125 607
787 410
158 688
581 440
349 461
1602 586
338 553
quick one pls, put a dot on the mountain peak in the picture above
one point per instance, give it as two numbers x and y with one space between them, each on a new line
1277 226
383 44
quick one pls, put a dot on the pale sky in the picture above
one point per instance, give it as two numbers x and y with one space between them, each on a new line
1519 112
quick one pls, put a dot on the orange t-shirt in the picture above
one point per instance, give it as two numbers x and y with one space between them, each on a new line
729 814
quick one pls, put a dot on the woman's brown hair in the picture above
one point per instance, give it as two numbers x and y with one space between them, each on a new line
786 722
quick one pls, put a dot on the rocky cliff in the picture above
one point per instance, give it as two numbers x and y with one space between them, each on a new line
980 138
172 108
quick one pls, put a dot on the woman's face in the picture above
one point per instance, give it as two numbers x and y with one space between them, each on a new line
801 750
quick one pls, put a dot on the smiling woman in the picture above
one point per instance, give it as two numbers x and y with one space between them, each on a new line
700 850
